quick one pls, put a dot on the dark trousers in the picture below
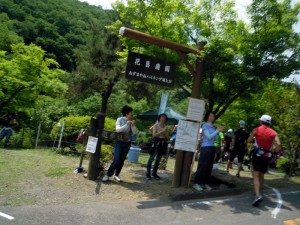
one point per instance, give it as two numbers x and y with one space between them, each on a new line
205 165
5 132
156 164
120 154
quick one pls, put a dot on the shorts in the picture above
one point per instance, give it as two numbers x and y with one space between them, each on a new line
239 153
260 164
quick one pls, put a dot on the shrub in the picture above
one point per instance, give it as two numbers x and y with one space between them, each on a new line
283 164
106 155
110 124
73 125
23 138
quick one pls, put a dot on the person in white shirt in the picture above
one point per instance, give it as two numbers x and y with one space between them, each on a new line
125 125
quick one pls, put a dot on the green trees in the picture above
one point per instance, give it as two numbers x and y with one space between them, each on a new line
7 36
58 26
25 74
238 56
283 103
240 59
280 101
99 68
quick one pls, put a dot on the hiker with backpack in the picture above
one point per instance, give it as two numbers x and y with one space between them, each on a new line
239 144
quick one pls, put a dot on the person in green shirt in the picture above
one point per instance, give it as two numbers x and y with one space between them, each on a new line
218 146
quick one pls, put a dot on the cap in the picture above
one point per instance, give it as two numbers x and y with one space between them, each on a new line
230 130
242 123
265 118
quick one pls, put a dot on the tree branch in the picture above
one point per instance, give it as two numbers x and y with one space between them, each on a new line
228 103
182 86
16 91
223 99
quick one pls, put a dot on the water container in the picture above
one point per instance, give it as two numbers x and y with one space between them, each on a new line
133 154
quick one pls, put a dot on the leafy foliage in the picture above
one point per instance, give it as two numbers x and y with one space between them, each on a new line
73 124
25 74
238 57
58 26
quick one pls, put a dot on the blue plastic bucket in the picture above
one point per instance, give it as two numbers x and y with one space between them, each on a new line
133 154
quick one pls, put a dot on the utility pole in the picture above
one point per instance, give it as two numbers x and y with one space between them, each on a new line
183 159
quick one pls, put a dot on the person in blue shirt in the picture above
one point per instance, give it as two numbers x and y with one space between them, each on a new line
207 152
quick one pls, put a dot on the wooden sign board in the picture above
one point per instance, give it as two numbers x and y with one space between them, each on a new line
149 69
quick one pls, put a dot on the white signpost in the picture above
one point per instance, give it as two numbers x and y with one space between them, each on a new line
92 144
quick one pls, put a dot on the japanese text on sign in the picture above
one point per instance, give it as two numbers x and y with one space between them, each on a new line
151 70
187 136
92 144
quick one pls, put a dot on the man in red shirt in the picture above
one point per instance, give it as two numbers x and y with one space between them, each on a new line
264 139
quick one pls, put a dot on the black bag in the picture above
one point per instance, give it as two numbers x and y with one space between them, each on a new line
159 145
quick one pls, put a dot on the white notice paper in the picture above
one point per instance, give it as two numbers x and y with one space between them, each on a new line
187 136
92 144
195 110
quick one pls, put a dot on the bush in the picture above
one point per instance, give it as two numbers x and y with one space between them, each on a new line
23 138
284 165
110 124
73 125
106 155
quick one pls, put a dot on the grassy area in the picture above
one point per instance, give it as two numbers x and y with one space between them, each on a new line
143 159
27 166
30 177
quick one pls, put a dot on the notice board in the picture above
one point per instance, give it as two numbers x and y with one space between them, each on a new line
187 136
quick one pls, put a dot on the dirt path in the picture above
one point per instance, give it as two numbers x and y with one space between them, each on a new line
43 178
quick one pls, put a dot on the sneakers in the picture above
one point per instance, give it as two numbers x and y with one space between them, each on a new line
206 187
238 175
105 178
117 178
156 177
257 200
197 187
149 177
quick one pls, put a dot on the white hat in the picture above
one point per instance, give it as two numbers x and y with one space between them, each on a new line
229 131
242 123
265 118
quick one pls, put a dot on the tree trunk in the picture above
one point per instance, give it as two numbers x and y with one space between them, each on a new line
106 94
293 161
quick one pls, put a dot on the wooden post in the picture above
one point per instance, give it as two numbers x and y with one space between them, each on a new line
97 125
196 92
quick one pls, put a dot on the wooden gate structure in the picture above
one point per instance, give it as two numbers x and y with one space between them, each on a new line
184 160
